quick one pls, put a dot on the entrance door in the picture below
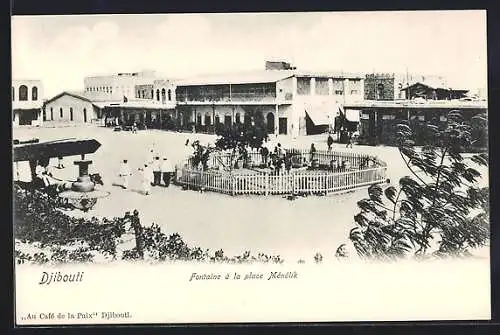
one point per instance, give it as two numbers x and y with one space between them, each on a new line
227 120
270 123
282 125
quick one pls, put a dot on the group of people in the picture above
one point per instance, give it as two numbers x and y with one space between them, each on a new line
152 173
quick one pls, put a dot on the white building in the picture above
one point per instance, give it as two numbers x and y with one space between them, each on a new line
289 101
70 108
116 87
27 101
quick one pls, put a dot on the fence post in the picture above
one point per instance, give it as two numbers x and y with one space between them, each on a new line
267 183
233 184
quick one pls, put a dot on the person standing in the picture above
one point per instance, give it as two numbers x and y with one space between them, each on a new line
167 171
329 142
124 174
312 152
60 162
156 167
349 140
146 179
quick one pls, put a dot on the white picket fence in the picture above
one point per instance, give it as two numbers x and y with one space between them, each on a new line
323 158
294 182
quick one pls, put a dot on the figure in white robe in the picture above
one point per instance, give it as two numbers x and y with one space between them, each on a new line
124 174
147 179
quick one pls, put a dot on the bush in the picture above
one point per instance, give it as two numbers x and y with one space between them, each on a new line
55 237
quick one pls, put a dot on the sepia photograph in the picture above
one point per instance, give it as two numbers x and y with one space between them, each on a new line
250 167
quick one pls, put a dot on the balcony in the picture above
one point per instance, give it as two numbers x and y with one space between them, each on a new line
234 98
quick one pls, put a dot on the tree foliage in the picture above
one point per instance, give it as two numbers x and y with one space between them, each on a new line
239 137
437 210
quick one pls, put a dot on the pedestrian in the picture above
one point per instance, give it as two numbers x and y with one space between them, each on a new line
124 174
60 162
329 142
156 168
146 179
312 152
264 152
349 140
167 171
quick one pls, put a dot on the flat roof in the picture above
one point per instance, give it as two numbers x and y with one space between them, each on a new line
260 76
408 104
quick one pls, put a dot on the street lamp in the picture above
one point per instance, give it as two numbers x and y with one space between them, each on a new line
83 194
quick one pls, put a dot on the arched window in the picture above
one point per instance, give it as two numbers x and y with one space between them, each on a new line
158 95
163 95
13 94
34 93
71 114
23 93
237 118
152 94
60 112
51 114
169 95
85 115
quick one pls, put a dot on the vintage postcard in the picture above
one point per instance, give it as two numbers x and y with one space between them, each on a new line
256 167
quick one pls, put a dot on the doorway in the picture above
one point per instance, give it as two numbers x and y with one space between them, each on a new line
270 123
283 125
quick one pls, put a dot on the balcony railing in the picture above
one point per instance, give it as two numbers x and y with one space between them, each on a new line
226 97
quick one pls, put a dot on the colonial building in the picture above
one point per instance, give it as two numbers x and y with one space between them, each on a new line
378 118
430 91
117 87
27 101
286 101
69 108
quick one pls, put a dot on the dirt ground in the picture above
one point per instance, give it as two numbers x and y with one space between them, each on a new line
273 225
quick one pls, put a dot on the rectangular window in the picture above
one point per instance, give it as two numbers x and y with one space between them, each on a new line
71 114
339 92
51 114
303 86
60 112
322 86
354 92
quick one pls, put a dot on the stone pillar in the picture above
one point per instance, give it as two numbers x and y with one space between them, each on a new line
294 87
346 89
330 86
276 121
313 86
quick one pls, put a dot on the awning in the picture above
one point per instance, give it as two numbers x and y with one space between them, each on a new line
352 115
322 114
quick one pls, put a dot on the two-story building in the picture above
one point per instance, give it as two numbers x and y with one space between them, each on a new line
117 87
287 101
27 102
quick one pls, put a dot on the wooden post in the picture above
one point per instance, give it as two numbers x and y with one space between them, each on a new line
267 183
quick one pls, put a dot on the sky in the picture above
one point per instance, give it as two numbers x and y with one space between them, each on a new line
62 50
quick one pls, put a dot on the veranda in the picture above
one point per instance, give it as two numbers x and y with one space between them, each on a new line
332 172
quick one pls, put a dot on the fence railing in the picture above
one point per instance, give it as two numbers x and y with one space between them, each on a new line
299 158
294 182
336 178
